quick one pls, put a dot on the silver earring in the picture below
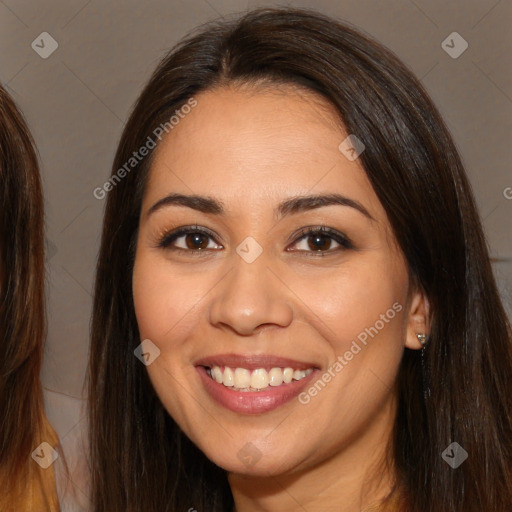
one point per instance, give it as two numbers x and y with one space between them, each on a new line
422 338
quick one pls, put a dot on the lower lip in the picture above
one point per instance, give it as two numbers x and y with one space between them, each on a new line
253 402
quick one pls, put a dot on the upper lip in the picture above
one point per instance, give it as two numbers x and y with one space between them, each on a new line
253 361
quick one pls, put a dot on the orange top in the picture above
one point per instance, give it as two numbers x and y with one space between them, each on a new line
397 502
38 493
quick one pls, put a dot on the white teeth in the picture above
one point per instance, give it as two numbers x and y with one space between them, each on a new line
275 377
217 374
259 379
228 379
242 379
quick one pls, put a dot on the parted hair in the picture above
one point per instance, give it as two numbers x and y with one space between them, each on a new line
23 424
141 460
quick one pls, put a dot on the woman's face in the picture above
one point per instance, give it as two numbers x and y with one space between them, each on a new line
253 301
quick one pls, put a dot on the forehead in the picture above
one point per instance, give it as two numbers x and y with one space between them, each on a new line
248 144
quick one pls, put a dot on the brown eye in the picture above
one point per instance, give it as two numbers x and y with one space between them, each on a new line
195 241
319 240
189 239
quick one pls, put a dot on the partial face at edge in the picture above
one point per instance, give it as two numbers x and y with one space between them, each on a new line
305 298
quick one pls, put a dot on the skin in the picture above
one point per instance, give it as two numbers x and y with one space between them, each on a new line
251 148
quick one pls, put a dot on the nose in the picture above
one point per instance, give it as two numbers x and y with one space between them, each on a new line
251 297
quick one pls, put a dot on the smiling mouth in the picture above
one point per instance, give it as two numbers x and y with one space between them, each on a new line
258 379
254 383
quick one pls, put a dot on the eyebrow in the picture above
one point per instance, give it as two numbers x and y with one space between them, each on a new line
289 206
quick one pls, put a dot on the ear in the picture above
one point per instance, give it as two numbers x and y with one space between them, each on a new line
418 319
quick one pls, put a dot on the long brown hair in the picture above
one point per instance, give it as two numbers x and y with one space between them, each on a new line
140 458
23 425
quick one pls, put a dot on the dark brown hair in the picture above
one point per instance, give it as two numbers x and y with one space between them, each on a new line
22 314
140 458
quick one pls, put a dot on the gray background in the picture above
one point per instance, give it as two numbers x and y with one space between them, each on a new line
77 100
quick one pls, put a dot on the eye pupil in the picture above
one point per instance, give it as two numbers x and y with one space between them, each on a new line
195 239
317 244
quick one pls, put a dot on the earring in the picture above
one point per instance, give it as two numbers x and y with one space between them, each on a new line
422 338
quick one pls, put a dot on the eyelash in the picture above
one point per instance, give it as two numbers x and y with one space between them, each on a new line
168 238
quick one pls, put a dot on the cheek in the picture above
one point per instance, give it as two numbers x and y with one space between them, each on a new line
150 301
163 300
165 315
362 324
360 301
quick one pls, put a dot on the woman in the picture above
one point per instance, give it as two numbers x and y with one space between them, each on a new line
294 305
27 441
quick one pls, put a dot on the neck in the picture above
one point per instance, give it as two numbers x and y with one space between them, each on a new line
356 476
